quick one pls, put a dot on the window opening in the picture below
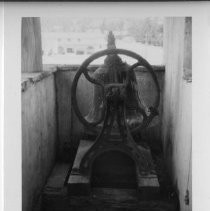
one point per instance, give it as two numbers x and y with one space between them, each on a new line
72 40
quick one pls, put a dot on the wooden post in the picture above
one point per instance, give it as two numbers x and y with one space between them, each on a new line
188 50
31 46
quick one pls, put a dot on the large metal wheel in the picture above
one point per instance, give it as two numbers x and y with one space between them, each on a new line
83 69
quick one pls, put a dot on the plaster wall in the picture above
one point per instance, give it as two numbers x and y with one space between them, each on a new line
177 112
38 135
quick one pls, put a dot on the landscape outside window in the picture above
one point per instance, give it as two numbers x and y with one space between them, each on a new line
71 40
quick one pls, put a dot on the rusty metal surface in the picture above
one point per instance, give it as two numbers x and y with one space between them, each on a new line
84 70
117 105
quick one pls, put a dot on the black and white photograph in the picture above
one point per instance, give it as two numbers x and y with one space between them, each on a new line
104 110
99 120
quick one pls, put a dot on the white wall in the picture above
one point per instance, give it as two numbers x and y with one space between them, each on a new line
177 111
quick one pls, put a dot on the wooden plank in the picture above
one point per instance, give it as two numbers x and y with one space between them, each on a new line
57 179
54 194
116 194
82 149
109 199
148 181
31 48
55 197
77 183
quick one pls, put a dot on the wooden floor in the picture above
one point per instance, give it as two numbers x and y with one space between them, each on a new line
119 199
56 198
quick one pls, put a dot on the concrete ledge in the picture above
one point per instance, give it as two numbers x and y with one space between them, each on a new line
28 79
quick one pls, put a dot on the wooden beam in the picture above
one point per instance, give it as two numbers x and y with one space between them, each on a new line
188 49
31 46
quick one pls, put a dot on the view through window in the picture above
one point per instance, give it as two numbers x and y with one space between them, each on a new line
71 40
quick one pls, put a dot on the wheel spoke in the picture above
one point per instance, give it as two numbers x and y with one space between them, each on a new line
92 80
83 69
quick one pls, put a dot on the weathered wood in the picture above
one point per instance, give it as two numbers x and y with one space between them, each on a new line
80 185
77 183
148 181
188 50
31 47
56 198
28 79
82 149
105 199
177 113
54 192
39 136
58 176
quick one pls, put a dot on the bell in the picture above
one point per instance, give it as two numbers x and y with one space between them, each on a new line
114 70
